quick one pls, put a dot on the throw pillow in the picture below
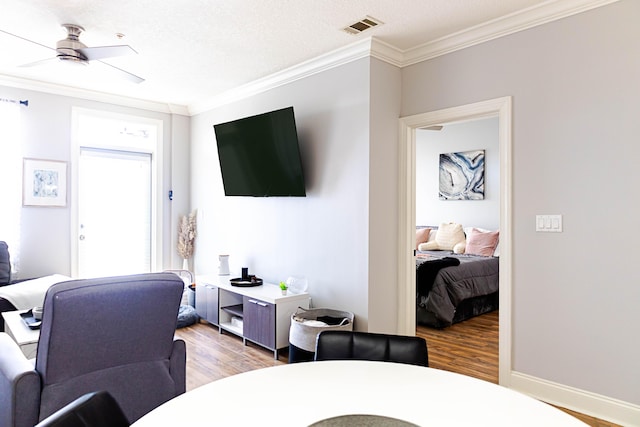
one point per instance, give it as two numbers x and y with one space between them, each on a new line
483 243
422 236
449 237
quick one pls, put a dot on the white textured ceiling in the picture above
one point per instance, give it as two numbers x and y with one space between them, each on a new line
191 50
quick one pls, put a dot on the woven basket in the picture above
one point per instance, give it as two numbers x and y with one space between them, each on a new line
303 334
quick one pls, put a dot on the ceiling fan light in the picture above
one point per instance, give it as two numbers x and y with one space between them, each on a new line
69 48
72 59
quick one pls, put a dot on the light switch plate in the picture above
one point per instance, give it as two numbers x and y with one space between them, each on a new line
549 223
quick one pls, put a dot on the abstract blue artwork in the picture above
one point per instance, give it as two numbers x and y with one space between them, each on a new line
45 183
462 175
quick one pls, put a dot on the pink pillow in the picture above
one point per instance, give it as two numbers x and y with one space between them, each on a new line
482 243
422 235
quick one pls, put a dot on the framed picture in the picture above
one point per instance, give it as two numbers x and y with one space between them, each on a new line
462 175
44 183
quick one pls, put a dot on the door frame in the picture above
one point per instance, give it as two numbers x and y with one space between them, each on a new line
157 161
500 107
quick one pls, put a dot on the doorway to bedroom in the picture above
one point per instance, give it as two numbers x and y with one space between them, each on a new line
410 126
469 345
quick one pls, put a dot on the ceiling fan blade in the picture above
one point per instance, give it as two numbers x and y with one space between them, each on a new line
127 75
39 62
30 41
101 52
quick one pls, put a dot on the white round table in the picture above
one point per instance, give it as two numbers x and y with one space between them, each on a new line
301 394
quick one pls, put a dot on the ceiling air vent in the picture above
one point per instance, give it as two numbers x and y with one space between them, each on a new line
362 25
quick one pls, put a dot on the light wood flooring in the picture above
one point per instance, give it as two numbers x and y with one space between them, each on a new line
469 348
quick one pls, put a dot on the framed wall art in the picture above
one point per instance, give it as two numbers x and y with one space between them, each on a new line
44 183
462 175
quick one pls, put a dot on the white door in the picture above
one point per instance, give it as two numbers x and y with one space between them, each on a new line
114 212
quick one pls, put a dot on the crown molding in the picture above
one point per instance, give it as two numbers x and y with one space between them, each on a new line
387 53
74 92
358 50
549 11
369 47
544 13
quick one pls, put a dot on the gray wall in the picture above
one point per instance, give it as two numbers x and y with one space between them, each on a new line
45 233
324 236
179 176
383 196
467 136
576 97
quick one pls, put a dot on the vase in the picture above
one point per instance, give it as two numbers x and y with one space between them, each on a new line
185 264
223 269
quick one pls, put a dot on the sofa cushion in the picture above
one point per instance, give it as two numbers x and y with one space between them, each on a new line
30 293
5 264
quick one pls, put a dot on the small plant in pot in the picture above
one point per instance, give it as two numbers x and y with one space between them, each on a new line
283 288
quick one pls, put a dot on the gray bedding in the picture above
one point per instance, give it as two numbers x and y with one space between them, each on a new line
471 284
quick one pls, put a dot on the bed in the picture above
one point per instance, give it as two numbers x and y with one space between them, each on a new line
452 287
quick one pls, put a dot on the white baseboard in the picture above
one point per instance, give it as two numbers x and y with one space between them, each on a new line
592 404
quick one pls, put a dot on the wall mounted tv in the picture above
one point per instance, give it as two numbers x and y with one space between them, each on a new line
259 155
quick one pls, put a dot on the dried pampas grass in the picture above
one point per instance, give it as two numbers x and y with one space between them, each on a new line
186 235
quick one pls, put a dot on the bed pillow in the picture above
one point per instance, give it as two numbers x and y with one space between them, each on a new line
482 242
422 236
449 237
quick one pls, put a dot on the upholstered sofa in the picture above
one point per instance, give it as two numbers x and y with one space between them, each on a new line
21 294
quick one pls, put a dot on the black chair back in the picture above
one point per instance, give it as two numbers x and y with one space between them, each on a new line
341 345
98 409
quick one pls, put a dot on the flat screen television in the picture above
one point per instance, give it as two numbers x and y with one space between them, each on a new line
259 155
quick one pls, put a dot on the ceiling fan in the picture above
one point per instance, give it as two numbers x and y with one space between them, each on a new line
71 49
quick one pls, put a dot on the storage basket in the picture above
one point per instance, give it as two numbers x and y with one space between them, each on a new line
307 324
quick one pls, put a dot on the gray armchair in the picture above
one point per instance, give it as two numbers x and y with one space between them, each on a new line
114 334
